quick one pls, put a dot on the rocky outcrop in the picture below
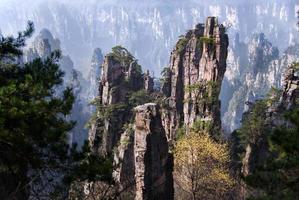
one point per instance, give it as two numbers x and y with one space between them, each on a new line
290 88
197 67
107 130
153 171
148 82
191 88
121 76
253 68
124 159
95 73
144 163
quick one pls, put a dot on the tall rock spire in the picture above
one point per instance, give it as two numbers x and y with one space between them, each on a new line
197 66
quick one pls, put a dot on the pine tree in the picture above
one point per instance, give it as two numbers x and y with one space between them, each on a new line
34 151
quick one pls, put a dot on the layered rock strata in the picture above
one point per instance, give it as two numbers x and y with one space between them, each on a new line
253 68
197 67
116 82
152 161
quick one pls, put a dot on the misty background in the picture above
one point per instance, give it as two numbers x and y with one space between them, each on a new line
150 29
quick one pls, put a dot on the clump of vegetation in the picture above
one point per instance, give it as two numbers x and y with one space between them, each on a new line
138 98
279 177
205 93
207 40
273 96
122 55
165 74
181 45
295 66
181 132
197 87
202 126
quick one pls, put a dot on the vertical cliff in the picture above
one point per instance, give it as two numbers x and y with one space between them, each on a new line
119 77
152 161
254 67
140 141
197 67
95 73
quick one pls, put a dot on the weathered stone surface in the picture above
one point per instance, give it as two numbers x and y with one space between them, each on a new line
94 74
253 68
197 66
290 89
148 82
105 133
124 174
152 161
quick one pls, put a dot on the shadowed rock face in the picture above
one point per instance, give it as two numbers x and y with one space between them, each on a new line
105 133
152 161
291 89
197 66
121 76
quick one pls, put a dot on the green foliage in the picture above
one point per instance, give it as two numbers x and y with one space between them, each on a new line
207 40
165 73
130 131
201 126
181 45
111 111
181 132
254 124
34 125
278 178
199 44
10 47
194 88
206 93
273 96
89 167
295 66
123 56
138 98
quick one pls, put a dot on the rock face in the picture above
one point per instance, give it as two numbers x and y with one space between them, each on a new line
125 160
191 86
253 68
136 140
290 89
107 130
197 67
95 73
148 82
121 76
152 161
119 22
